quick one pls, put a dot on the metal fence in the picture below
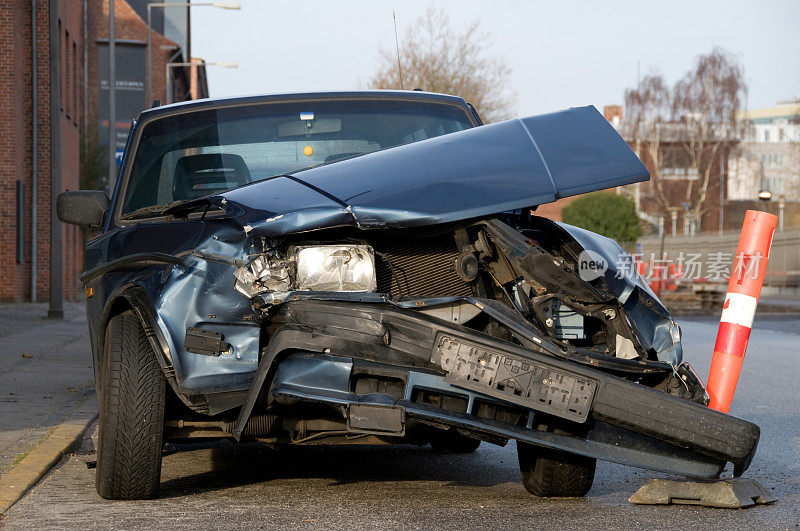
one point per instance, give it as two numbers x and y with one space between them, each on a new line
711 256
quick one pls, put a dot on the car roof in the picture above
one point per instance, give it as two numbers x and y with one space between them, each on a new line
392 95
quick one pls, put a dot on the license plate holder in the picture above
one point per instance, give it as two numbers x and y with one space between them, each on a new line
515 379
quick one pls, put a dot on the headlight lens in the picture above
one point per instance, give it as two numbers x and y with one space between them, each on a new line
335 268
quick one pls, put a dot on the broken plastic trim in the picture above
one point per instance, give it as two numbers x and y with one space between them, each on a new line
528 334
342 327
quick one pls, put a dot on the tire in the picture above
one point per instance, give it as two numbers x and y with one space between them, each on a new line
553 474
132 398
454 443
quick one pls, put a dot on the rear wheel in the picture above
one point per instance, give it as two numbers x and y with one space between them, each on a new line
454 443
551 473
131 413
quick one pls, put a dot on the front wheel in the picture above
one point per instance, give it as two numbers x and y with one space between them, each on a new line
553 474
131 422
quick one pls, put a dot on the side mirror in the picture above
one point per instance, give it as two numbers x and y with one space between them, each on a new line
83 207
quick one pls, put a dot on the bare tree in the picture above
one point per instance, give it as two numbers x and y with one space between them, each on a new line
647 108
705 102
436 58
694 121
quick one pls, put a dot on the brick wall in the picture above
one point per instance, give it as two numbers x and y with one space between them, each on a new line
16 155
16 123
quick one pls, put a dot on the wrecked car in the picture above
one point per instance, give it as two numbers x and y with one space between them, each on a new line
342 268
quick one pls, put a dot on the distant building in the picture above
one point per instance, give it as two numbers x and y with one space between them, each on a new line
613 113
198 83
770 157
170 42
676 185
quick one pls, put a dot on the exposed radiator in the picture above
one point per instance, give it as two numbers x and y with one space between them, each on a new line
418 267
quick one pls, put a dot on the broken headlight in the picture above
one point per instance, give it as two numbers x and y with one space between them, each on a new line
262 274
335 268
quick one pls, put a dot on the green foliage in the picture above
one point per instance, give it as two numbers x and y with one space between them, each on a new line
605 213
92 161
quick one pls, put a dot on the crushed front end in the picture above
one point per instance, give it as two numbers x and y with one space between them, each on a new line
479 331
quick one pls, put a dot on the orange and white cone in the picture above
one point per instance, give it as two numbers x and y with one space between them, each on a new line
744 288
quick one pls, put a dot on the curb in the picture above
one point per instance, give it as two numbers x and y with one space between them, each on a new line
61 440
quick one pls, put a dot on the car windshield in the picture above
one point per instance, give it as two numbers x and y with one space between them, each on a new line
194 154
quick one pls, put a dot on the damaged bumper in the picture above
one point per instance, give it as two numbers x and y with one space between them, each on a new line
485 387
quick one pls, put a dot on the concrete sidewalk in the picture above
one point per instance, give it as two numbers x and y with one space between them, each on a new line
45 375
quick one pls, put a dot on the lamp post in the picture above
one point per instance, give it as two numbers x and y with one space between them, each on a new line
112 101
175 65
163 5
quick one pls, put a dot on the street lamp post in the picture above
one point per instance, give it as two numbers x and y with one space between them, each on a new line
175 65
112 101
163 5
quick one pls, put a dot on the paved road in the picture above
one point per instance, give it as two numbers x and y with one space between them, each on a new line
407 487
45 373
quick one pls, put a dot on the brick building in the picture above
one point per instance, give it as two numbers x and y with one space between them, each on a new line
25 120
679 185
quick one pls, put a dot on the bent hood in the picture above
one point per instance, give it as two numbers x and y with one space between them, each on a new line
493 168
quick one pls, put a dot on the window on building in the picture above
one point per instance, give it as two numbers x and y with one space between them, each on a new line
75 84
61 67
676 166
772 160
773 184
766 135
66 74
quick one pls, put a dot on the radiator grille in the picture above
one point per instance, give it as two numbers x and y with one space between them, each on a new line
419 267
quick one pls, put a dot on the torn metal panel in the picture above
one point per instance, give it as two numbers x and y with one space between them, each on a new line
186 278
649 319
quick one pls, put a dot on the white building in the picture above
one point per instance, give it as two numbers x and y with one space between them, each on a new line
770 158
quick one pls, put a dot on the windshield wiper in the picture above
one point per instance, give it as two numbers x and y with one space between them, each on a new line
157 210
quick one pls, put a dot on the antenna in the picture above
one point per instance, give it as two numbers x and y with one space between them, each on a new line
397 48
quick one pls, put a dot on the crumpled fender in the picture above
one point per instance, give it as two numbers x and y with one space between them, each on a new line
646 313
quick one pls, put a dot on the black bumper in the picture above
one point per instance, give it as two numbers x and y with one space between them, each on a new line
618 420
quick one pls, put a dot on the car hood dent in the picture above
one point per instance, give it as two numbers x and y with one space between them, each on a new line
477 172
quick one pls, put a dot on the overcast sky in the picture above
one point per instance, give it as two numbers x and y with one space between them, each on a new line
562 53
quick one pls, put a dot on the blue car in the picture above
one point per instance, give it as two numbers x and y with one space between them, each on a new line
366 267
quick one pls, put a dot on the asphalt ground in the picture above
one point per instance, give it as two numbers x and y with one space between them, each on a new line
45 374
224 486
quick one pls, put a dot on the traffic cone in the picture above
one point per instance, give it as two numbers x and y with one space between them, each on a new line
744 287
641 268
672 277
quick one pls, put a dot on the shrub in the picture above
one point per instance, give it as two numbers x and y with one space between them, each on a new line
605 213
